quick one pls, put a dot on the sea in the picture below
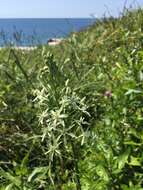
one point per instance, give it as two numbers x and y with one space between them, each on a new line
32 32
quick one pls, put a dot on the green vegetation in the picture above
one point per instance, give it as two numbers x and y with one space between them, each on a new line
71 116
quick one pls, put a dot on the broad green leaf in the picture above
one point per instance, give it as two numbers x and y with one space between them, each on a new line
13 179
123 159
9 187
102 172
135 161
38 172
131 91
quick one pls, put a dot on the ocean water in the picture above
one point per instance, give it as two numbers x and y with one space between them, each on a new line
30 32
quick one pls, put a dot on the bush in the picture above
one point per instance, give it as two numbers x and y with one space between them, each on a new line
71 115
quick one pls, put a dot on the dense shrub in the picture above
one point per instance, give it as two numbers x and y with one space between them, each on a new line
71 116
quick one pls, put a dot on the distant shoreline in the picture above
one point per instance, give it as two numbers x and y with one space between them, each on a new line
23 48
33 32
50 42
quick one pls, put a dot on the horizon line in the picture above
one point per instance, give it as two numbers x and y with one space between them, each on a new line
47 17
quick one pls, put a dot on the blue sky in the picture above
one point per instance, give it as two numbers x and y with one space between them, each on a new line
61 8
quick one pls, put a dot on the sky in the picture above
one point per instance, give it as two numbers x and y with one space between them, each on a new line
63 8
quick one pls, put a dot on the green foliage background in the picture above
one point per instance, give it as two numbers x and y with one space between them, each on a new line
71 116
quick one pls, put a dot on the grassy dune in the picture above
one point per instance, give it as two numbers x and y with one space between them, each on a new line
71 116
